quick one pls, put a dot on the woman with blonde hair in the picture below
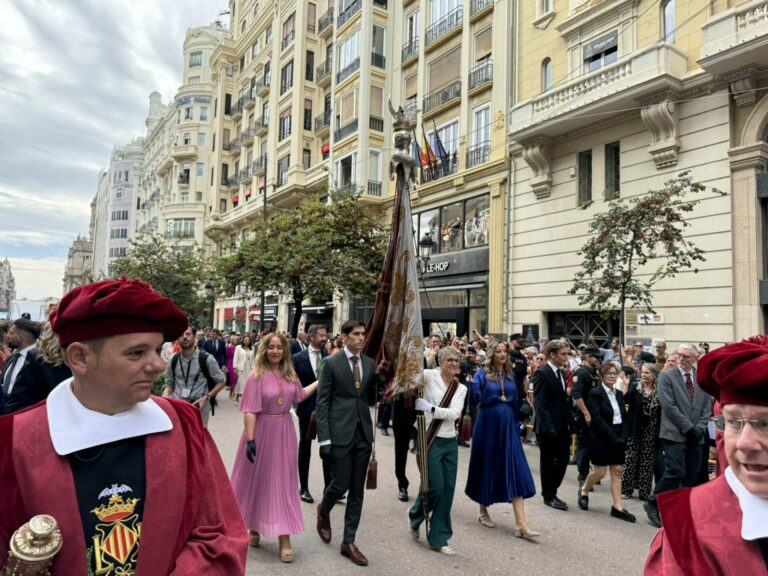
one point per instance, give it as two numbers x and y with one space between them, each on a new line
265 475
498 470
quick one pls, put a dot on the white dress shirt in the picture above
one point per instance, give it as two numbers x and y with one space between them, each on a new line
754 509
434 390
558 373
614 404
19 364
359 362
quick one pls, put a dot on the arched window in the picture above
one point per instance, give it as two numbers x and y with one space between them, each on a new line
668 21
546 74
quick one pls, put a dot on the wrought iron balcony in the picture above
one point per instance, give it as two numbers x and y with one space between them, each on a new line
246 138
380 4
233 181
323 72
260 164
481 74
410 50
183 179
345 16
441 169
263 84
447 24
376 123
378 60
349 188
478 154
325 23
441 96
477 6
348 71
323 122
345 131
288 40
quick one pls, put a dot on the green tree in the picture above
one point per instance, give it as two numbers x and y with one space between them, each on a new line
312 251
634 245
178 272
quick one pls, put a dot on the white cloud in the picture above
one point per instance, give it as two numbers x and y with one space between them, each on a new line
38 277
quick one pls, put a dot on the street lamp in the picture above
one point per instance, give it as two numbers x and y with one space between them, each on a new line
209 293
426 244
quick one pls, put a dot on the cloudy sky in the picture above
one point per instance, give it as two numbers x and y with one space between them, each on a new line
76 81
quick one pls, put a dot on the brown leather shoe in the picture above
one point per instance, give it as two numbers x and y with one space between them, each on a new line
323 526
352 552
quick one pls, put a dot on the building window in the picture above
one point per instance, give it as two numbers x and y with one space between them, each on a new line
180 228
546 74
223 205
448 135
310 66
612 170
348 51
378 40
412 27
441 8
194 79
668 21
307 114
456 226
289 29
545 7
187 139
268 34
282 170
201 138
286 77
200 169
585 177
601 52
484 45
195 59
306 158
204 114
445 70
285 124
188 113
311 17
254 49
265 113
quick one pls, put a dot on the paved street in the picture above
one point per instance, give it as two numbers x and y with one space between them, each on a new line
574 542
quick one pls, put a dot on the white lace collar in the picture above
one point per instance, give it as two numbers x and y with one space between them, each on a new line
754 509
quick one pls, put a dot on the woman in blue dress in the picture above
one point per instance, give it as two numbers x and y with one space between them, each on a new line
498 470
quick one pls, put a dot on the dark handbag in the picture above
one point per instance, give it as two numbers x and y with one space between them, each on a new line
525 410
312 427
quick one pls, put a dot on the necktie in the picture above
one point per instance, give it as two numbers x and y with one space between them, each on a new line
689 385
318 362
9 368
562 379
356 370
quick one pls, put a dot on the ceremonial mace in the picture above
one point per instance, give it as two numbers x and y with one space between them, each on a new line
33 547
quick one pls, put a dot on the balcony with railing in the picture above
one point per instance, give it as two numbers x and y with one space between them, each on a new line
348 188
237 109
481 77
478 8
345 131
246 138
250 100
410 50
736 38
260 127
444 28
478 154
325 24
380 4
288 39
346 16
234 144
260 165
323 123
373 188
183 151
441 169
246 174
376 123
378 60
233 182
323 73
434 101
351 68
263 85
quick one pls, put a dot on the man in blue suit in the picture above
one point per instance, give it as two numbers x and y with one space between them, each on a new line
217 348
307 364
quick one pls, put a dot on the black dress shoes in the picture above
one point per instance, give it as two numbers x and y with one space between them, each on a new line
556 503
403 494
384 432
622 514
652 511
307 497
583 500
323 526
352 552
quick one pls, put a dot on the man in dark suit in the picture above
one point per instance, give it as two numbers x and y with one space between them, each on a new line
685 411
552 426
299 343
307 364
216 347
348 387
22 376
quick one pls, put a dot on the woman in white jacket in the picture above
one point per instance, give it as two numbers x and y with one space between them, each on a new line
243 363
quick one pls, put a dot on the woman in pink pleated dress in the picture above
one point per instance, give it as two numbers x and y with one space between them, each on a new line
265 476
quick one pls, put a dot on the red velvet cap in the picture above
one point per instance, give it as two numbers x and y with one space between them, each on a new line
737 373
115 307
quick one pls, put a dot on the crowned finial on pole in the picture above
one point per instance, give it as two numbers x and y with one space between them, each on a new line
404 123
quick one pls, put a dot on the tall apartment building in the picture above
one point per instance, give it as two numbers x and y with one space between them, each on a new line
450 63
114 205
177 148
79 263
299 91
611 99
7 285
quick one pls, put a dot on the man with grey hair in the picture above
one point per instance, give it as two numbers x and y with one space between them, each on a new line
685 410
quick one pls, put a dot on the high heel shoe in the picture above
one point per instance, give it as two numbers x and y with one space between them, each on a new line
486 521
286 555
525 532
254 538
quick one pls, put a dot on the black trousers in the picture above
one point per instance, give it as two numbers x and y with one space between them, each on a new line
305 454
349 467
385 415
682 462
554 454
582 451
403 419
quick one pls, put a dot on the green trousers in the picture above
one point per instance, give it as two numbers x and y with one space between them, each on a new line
443 461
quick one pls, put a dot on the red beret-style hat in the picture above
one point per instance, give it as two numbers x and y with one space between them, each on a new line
115 307
737 373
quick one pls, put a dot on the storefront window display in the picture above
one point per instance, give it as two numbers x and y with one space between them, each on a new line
455 226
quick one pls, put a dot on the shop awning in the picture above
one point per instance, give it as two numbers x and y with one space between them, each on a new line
325 148
235 199
247 192
229 313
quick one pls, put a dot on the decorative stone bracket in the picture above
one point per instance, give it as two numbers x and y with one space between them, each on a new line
661 120
536 155
744 93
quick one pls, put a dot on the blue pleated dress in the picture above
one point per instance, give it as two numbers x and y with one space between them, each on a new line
498 469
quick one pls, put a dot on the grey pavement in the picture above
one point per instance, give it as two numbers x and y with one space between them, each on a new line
573 542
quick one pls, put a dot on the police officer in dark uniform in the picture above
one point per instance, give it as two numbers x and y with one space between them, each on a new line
519 363
584 380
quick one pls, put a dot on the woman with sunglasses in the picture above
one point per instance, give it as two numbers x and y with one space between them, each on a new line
608 436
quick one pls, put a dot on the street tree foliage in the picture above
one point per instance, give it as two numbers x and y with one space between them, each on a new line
178 272
634 245
312 251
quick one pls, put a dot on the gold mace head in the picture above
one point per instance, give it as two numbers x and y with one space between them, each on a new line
36 542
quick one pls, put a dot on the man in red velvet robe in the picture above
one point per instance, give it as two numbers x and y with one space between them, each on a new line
721 527
134 482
